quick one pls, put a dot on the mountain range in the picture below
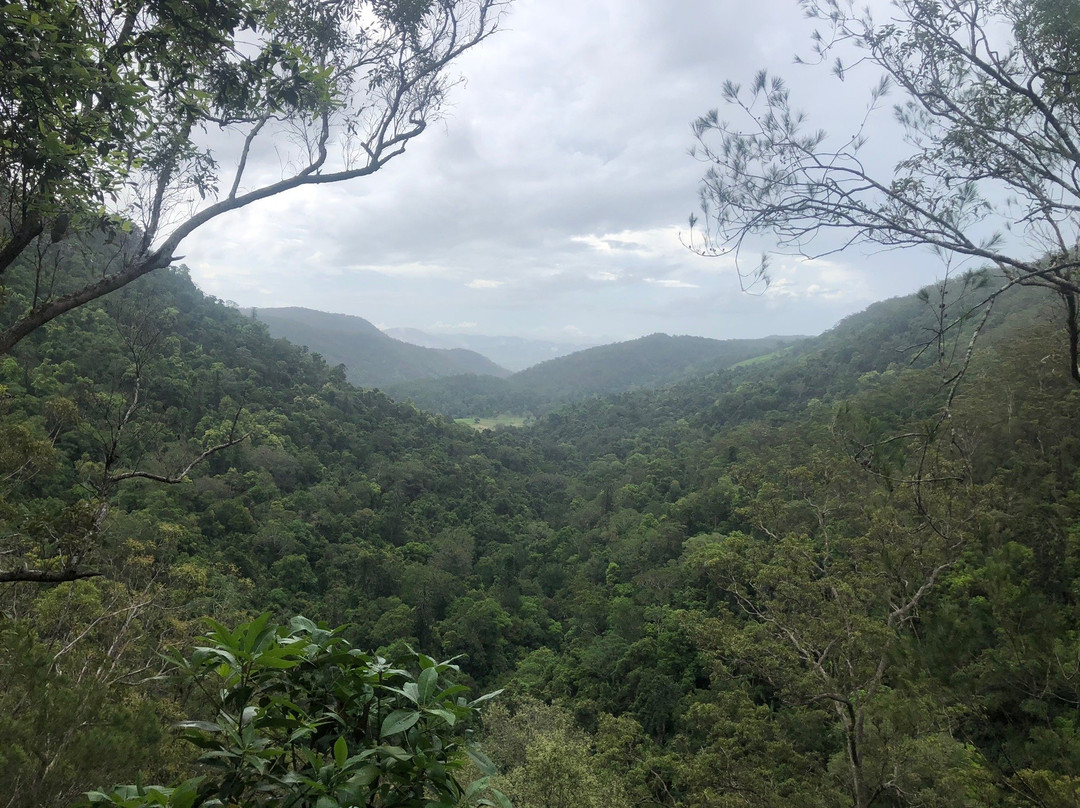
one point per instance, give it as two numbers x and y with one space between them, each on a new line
371 358
513 353
448 374
641 364
643 560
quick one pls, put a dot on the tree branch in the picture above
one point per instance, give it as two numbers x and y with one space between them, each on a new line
46 576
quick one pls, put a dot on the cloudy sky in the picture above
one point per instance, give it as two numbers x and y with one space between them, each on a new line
551 201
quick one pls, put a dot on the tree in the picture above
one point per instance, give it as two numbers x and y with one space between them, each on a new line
819 605
548 762
991 115
55 548
300 718
132 123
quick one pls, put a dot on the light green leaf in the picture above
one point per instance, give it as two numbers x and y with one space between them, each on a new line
482 761
205 726
366 776
485 697
398 721
475 787
445 715
426 684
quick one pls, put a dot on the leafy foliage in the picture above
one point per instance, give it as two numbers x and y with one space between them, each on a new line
104 104
638 564
298 717
989 113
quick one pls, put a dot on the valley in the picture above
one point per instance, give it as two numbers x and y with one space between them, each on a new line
271 555
611 565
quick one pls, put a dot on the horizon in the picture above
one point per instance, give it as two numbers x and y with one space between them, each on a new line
443 331
552 201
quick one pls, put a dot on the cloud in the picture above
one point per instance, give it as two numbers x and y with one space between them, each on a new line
818 279
557 183
671 283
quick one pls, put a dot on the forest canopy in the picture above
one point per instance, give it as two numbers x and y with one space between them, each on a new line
821 576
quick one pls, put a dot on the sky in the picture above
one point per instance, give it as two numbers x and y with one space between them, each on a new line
552 199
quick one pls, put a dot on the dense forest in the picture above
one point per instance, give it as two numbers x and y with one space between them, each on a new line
645 363
809 580
841 570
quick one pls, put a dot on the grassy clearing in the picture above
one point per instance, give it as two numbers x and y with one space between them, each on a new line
756 360
491 423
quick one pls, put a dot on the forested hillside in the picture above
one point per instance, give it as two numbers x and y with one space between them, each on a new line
640 364
512 353
831 572
811 580
370 357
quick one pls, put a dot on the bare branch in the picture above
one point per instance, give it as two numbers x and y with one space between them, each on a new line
46 576
183 473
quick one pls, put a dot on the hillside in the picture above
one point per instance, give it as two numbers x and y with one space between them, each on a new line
645 363
674 585
648 362
513 353
371 358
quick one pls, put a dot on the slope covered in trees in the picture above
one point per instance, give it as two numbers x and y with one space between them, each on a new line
513 353
644 363
370 357
795 579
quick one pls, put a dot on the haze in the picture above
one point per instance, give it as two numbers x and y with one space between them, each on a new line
551 201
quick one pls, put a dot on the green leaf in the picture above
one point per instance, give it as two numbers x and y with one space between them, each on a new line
205 726
485 697
185 794
453 690
426 684
221 653
301 624
398 721
445 715
425 661
366 776
281 658
482 761
341 751
475 787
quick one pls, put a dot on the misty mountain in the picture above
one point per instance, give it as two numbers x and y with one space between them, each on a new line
371 358
514 353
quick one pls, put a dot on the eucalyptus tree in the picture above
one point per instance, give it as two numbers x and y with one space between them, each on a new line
989 107
132 123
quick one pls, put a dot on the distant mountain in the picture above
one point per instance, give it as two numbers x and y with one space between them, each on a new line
515 353
645 363
371 358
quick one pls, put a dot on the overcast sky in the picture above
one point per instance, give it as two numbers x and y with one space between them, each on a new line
550 201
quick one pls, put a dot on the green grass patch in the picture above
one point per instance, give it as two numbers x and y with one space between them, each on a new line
757 360
491 423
